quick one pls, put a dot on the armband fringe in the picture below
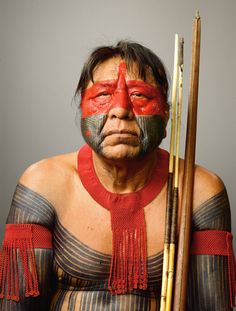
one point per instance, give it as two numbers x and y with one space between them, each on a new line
217 242
19 243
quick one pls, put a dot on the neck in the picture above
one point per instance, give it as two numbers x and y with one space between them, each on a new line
124 176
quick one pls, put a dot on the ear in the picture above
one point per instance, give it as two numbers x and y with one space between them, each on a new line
166 119
165 134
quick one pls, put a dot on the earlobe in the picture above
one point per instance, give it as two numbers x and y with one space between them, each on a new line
167 119
165 133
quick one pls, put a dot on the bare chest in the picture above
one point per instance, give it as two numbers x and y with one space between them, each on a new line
90 222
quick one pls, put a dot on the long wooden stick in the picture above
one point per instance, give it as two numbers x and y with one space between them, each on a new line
188 178
173 231
170 179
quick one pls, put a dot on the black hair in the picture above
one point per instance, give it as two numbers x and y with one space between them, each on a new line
131 52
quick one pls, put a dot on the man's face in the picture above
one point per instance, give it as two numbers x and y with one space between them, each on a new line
122 116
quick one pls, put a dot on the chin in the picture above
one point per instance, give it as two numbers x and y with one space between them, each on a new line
120 152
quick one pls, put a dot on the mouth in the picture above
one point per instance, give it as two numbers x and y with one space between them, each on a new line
121 133
121 137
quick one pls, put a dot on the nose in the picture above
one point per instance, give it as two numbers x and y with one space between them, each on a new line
121 113
121 104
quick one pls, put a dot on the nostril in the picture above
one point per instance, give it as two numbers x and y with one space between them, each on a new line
121 113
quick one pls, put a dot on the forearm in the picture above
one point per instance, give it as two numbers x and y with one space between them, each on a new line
208 287
26 278
43 261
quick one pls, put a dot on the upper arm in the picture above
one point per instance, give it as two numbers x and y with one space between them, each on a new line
28 208
208 278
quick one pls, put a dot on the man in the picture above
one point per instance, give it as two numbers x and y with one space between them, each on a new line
105 206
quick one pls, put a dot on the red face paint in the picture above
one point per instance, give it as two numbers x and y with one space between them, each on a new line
88 133
141 97
122 68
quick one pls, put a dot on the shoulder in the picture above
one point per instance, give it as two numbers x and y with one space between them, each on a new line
41 189
211 209
206 185
50 176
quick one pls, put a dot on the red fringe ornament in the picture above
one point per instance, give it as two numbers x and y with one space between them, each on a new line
217 242
19 243
128 268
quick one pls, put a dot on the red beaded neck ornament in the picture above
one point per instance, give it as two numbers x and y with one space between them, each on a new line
128 268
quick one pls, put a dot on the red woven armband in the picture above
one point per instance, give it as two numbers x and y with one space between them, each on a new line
217 242
19 242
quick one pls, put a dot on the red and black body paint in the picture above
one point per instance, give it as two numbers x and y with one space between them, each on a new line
146 101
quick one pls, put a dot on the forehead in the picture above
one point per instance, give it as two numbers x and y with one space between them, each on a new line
109 70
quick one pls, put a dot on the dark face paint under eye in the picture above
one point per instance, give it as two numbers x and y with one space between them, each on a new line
145 100
152 131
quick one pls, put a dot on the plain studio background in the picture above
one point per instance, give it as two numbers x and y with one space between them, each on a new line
44 45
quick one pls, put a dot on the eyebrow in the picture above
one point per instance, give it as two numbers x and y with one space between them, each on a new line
105 83
130 83
134 83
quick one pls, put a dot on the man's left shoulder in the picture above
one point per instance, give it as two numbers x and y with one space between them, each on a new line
206 185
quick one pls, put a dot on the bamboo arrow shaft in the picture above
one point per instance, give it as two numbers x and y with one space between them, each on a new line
170 180
173 229
188 178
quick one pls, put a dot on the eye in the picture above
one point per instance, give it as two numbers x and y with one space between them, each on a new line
139 95
103 94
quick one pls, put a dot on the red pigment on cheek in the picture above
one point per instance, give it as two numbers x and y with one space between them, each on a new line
87 133
147 99
103 96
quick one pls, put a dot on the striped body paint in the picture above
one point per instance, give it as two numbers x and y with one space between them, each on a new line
28 207
81 273
145 104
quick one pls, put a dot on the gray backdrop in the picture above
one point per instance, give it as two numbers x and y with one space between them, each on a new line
44 44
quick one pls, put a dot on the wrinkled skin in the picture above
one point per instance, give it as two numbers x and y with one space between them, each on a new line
121 114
